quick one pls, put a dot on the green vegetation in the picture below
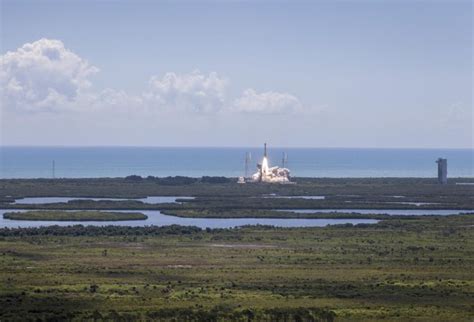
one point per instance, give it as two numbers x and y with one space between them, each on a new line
396 270
214 193
109 230
263 213
74 215
179 180
402 268
381 189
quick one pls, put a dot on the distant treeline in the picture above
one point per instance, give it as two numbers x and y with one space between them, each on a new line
81 230
179 180
74 215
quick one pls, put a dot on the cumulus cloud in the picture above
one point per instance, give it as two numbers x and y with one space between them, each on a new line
457 113
191 92
46 76
116 100
42 75
266 102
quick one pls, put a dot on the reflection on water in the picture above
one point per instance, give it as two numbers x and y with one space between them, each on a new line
158 219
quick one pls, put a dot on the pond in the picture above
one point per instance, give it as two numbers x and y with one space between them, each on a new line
412 203
275 196
156 218
148 200
438 212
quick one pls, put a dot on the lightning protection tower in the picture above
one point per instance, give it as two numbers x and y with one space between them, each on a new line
248 159
284 160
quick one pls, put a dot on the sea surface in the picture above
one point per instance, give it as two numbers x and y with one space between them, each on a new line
89 162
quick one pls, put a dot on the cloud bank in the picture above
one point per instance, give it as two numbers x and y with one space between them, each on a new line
45 76
267 102
192 92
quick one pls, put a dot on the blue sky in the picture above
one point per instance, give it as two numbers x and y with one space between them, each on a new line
222 73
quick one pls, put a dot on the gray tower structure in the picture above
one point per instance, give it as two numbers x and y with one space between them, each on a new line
442 170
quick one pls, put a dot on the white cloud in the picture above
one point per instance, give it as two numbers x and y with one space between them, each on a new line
266 102
115 100
190 92
456 113
46 76
43 75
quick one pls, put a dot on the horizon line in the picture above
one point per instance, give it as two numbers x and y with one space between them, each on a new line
232 147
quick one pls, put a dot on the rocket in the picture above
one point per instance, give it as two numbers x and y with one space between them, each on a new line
265 149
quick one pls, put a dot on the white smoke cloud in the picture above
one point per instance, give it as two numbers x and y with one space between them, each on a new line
43 75
266 102
195 92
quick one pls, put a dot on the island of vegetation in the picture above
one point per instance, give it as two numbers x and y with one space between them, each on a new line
74 215
264 213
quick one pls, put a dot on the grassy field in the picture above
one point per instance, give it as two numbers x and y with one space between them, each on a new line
46 215
401 270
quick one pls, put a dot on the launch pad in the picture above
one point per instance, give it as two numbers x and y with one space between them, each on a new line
269 174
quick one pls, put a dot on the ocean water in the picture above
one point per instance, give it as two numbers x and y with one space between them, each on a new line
88 162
